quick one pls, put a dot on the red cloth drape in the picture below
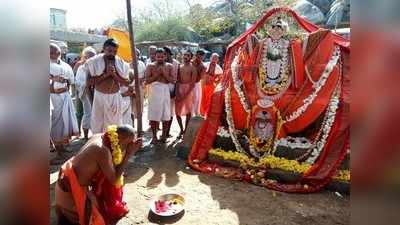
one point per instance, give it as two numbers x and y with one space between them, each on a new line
109 196
337 143
207 92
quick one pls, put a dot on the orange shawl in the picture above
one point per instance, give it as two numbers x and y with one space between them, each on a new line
80 197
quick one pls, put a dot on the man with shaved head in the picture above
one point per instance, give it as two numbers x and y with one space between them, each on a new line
63 118
78 189
210 79
152 55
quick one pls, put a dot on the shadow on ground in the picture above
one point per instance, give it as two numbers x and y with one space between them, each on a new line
154 157
222 201
212 200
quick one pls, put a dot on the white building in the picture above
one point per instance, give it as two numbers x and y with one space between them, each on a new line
58 19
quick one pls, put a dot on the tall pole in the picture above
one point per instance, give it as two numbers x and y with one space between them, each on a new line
134 64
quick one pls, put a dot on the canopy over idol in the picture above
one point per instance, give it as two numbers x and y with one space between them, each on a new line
284 94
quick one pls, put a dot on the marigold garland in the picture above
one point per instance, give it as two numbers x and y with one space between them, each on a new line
342 175
116 153
273 162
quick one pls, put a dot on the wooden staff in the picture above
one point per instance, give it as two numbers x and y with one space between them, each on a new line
135 70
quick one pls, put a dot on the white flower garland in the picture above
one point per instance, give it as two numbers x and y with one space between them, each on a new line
326 126
266 68
282 46
230 121
294 142
222 132
237 83
316 86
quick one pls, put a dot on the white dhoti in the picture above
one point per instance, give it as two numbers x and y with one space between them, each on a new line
63 118
87 109
106 110
84 95
159 102
126 110
196 98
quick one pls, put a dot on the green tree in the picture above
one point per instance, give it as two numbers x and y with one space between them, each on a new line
229 16
163 21
172 28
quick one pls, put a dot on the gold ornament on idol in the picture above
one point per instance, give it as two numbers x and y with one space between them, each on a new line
273 73
116 153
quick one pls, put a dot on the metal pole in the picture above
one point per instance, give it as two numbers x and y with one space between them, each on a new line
134 64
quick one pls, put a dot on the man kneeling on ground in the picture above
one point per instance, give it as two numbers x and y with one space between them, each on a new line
82 178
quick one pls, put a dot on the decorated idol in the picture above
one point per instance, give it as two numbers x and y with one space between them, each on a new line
282 107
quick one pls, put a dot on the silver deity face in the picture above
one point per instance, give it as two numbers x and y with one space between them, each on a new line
263 128
276 32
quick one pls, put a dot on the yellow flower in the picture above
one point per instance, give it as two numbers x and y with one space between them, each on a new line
120 182
116 153
272 162
343 175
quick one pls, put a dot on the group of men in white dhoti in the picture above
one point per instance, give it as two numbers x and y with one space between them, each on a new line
174 89
104 85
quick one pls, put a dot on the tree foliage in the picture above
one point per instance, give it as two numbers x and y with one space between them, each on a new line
171 28
163 21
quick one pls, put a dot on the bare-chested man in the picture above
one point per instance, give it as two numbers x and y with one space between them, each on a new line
158 76
78 177
108 72
187 75
199 64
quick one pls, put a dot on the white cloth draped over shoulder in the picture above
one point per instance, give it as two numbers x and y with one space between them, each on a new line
107 108
80 83
63 118
61 69
96 66
80 79
218 69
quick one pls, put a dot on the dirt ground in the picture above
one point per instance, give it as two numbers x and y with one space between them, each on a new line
212 200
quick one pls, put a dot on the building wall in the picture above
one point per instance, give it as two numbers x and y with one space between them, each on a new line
58 19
